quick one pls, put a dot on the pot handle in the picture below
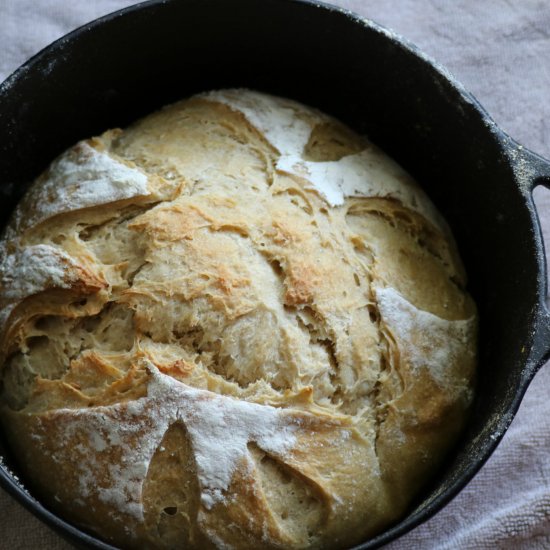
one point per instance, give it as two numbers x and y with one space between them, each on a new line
532 170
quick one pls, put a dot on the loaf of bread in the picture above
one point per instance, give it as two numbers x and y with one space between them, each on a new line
234 324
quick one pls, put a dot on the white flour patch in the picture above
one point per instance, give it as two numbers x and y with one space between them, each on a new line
274 117
31 270
219 427
81 177
428 341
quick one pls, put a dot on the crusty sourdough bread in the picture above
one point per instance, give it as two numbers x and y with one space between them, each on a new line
234 324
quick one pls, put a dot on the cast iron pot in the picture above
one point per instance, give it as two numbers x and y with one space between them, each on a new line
127 64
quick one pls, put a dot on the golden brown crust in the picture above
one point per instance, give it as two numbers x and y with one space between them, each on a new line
234 323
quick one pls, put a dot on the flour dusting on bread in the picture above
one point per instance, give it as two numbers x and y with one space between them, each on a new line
426 340
30 270
368 173
220 428
81 177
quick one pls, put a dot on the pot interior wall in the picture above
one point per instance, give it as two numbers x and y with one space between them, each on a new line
111 74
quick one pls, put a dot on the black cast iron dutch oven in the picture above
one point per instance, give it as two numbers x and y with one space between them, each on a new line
127 64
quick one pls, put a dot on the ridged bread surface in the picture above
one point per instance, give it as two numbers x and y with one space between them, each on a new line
235 324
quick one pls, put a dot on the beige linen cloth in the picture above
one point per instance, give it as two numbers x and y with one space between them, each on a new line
500 50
